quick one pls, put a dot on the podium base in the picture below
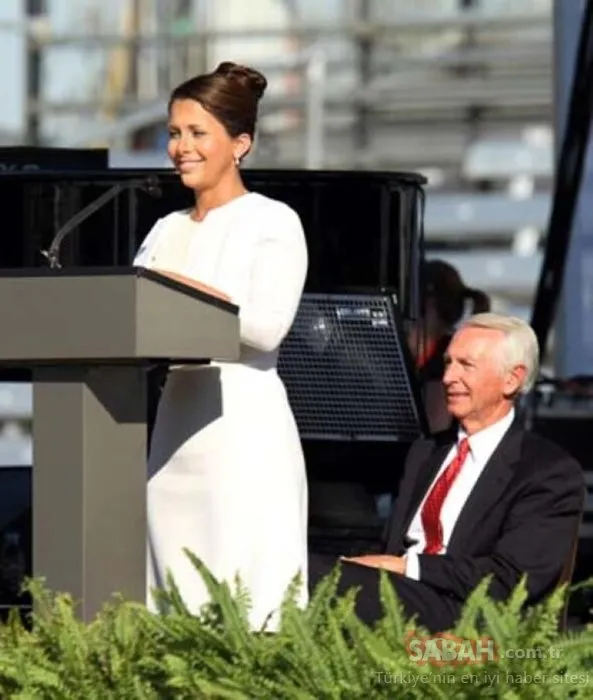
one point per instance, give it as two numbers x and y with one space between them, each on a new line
89 483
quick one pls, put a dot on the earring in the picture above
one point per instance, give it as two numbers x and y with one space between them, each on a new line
237 161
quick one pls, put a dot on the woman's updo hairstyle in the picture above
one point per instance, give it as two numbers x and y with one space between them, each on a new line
443 284
230 93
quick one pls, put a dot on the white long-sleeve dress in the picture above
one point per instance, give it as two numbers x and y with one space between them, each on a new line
226 473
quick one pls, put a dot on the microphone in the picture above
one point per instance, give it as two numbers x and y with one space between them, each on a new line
149 185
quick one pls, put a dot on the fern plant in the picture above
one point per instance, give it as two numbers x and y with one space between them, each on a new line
322 652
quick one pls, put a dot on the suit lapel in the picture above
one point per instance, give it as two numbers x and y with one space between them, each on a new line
426 475
488 489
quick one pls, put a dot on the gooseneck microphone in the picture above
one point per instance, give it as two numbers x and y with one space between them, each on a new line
149 184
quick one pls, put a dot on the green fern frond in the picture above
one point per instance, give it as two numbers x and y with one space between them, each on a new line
171 597
304 655
234 618
392 627
587 583
322 652
497 622
579 642
518 598
218 690
324 591
342 657
469 622
293 595
372 649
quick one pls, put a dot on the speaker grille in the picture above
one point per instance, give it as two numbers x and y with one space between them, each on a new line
345 370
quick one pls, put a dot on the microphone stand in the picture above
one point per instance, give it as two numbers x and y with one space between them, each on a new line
149 184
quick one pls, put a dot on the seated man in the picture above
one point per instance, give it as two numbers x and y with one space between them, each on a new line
485 498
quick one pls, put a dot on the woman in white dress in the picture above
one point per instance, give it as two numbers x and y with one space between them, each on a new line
226 470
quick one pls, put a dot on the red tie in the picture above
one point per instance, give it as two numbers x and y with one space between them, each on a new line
431 512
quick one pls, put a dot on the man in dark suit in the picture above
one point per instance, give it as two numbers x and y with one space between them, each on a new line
487 498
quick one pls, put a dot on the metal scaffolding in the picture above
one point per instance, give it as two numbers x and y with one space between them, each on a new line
460 91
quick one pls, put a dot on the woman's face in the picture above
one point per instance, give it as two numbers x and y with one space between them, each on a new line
199 146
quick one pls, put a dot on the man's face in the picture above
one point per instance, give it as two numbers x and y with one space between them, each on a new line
478 386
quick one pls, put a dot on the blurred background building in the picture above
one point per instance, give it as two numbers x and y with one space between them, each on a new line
459 90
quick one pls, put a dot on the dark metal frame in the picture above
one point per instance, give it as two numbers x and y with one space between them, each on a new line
568 179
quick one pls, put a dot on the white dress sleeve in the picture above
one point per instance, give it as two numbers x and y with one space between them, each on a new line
276 281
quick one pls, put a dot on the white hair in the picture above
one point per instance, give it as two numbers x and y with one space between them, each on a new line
520 346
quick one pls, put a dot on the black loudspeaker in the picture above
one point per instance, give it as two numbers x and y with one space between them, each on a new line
348 372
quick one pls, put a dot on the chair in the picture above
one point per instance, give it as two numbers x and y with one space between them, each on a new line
568 571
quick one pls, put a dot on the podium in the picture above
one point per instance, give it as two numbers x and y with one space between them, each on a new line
89 336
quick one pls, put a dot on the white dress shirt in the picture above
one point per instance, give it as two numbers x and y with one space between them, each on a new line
481 446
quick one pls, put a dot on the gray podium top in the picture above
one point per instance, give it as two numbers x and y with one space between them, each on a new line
111 315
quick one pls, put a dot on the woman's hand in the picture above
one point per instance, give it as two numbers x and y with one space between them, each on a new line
195 284
389 562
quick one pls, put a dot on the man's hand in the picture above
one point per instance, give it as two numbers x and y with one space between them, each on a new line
396 565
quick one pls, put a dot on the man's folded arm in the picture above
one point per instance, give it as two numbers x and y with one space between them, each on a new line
537 541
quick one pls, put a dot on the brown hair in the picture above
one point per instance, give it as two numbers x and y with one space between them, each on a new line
444 285
230 93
